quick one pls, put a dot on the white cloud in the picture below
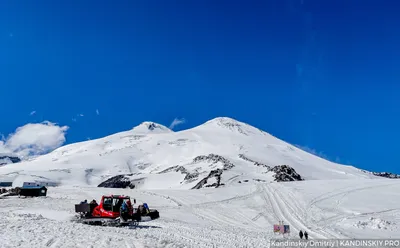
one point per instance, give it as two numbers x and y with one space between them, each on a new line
176 122
3 148
34 139
81 115
33 112
97 112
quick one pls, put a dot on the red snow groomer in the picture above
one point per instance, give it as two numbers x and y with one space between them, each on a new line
114 210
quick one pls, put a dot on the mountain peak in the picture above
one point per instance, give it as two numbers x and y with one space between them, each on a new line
232 125
225 121
151 127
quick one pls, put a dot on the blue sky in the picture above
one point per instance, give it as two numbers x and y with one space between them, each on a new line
319 74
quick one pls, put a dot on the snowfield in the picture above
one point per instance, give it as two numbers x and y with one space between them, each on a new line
333 200
238 216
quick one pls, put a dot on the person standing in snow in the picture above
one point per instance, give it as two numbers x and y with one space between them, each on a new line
301 234
130 207
306 235
124 211
94 202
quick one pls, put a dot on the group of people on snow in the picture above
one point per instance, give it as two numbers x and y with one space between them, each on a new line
92 202
126 210
305 234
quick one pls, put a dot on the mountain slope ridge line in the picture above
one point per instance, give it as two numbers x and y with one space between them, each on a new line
229 153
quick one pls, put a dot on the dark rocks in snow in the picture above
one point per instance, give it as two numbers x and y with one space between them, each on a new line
285 173
8 159
169 169
383 174
11 192
214 158
230 124
191 176
235 126
181 169
387 175
259 180
152 126
119 181
214 173
215 185
178 168
242 156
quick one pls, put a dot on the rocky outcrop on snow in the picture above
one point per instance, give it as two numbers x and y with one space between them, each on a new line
152 126
285 173
173 168
214 158
387 175
190 176
383 174
9 192
242 156
282 173
375 223
119 181
148 127
8 159
214 174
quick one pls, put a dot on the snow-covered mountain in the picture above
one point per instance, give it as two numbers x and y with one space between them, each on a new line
332 202
222 151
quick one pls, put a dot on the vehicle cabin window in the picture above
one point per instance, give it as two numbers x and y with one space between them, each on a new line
117 202
107 204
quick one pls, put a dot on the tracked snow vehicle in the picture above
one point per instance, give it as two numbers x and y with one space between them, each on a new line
108 212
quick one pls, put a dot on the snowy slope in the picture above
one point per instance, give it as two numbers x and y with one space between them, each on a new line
236 216
152 153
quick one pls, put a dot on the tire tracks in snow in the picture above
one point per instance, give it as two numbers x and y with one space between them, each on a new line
51 242
342 193
180 203
294 210
281 210
338 192
208 236
341 217
201 210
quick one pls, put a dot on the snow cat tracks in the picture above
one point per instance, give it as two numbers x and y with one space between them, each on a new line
114 210
106 222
